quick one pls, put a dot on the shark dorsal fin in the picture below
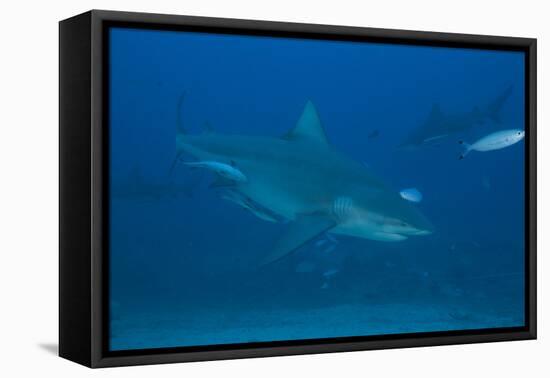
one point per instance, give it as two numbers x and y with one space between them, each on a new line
308 127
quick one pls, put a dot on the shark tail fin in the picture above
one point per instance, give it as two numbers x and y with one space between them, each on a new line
180 132
467 149
174 165
180 129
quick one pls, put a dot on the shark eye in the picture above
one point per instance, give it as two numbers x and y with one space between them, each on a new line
519 132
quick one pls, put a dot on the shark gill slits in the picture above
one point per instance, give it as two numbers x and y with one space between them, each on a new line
342 207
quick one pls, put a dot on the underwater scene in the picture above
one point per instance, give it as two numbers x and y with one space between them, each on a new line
268 189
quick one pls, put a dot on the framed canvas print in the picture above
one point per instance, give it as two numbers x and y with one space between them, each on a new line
234 188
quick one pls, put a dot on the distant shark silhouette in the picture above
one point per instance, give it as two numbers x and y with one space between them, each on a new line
440 125
304 180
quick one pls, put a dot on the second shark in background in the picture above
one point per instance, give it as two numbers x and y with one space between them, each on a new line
440 125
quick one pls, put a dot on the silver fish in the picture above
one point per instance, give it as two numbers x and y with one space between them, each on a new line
494 141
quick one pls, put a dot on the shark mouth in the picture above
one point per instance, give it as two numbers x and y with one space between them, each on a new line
388 236
421 232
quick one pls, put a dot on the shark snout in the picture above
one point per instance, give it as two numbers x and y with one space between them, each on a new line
424 227
419 225
413 231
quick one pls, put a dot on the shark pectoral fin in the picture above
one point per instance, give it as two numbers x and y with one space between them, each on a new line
302 230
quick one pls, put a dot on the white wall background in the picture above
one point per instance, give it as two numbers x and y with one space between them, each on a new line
29 174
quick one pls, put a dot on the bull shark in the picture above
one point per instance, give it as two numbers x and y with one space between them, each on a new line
439 125
304 180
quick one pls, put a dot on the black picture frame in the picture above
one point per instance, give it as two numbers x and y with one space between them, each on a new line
83 195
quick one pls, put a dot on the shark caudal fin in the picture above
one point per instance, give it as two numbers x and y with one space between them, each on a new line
180 133
180 129
467 149
191 182
493 110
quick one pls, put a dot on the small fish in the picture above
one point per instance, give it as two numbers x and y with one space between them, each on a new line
324 286
411 194
494 141
222 169
262 214
246 203
330 272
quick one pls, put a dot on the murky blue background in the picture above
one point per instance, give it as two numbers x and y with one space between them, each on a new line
180 256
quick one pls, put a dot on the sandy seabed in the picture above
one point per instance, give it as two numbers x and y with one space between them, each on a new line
152 329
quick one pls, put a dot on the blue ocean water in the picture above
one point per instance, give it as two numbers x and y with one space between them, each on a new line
183 259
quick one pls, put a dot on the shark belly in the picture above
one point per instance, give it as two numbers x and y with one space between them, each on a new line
284 193
280 202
